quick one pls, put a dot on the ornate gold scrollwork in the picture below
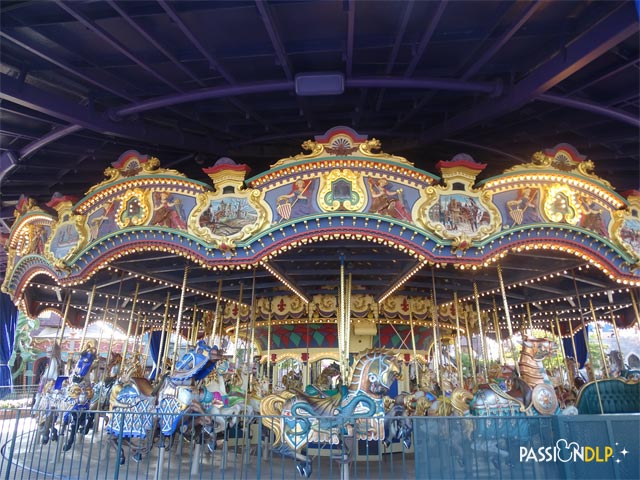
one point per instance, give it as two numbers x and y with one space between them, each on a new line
342 190
134 209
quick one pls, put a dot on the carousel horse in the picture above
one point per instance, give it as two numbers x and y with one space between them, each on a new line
102 390
223 397
134 399
292 381
53 371
354 414
530 394
328 383
72 394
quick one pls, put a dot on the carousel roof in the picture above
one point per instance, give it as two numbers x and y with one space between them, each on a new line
190 82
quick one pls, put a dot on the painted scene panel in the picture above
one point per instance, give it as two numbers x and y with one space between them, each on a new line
227 216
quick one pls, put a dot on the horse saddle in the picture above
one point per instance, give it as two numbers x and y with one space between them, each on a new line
520 393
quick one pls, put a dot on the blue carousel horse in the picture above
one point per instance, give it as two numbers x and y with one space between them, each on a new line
355 413
135 402
72 394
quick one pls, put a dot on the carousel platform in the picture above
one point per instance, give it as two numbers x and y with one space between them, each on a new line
563 447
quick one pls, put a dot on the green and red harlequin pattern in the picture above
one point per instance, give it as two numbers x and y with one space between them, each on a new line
295 336
325 335
399 337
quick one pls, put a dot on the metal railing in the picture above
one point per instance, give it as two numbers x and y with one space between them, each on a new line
589 446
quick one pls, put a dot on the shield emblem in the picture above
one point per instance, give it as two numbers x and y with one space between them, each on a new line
518 215
284 210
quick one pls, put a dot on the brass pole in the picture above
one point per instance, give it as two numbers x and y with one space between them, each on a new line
595 380
457 344
599 337
147 347
269 342
585 332
529 318
483 346
166 357
508 316
564 354
113 323
136 333
194 326
163 351
615 331
126 340
86 320
470 350
100 340
64 317
179 322
573 344
436 327
235 353
250 349
216 315
496 326
635 306
413 345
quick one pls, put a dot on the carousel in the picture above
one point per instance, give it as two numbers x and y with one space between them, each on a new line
332 301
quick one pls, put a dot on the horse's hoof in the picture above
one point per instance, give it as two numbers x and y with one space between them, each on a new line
45 439
67 446
54 436
137 457
211 445
304 469
122 459
407 443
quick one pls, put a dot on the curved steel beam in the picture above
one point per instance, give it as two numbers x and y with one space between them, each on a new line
266 87
614 113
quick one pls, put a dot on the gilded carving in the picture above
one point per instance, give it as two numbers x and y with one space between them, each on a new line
68 235
134 209
561 205
342 190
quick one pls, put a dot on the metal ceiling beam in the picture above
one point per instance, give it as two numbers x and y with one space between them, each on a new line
114 43
606 34
23 43
138 28
502 41
408 9
351 20
276 41
591 107
286 85
61 108
476 66
422 46
213 63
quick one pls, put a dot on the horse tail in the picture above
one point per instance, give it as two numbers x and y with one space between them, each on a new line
272 405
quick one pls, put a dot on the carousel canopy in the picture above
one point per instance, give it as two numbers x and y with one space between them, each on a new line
190 82
548 244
